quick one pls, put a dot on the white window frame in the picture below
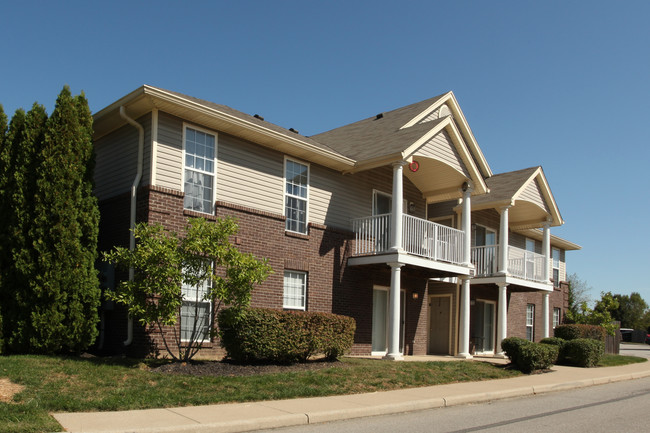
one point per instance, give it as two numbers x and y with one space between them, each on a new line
301 297
556 266
530 322
287 195
193 295
487 230
203 172
557 316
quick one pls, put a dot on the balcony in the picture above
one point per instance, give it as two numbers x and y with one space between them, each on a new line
420 238
521 263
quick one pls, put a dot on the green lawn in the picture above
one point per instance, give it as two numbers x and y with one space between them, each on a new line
67 384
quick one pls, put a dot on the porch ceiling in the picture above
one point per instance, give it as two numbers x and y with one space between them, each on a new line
436 180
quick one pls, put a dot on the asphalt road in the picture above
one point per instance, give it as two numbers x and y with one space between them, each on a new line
635 349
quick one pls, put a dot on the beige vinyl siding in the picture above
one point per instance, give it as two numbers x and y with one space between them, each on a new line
250 175
441 148
169 158
116 159
533 194
336 199
253 176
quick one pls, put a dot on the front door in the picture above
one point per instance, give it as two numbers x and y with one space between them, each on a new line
439 315
483 329
380 304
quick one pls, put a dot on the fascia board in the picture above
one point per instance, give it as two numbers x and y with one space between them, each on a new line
293 141
377 162
556 241
461 147
546 192
426 111
458 113
486 205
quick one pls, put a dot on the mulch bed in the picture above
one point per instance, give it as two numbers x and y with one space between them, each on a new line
226 368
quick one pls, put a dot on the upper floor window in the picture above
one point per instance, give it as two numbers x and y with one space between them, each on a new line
296 176
556 267
199 163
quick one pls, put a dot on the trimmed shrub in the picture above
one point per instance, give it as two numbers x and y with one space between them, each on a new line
536 356
573 331
583 352
265 335
512 347
559 343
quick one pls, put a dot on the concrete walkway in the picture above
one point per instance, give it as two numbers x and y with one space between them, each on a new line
283 413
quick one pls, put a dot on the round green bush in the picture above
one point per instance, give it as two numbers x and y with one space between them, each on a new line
266 335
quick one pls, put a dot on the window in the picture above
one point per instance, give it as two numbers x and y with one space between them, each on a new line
295 290
557 316
199 170
296 177
530 322
196 313
556 267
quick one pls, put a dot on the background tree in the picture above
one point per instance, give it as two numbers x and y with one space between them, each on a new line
578 296
631 311
49 291
202 265
600 315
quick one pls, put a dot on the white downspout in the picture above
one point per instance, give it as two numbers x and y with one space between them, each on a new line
134 196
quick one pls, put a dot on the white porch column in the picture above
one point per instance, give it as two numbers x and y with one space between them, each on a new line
546 312
394 309
503 241
464 320
398 199
502 314
466 223
546 251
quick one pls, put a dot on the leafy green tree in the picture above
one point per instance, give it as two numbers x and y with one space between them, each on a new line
600 315
631 311
203 261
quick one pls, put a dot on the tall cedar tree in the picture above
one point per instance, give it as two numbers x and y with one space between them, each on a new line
24 146
3 135
64 289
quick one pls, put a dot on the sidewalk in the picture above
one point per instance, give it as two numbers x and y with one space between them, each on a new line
243 417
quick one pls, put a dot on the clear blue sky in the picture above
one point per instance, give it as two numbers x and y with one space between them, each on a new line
562 84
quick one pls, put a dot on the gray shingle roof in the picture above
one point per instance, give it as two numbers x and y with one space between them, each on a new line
504 186
252 119
375 137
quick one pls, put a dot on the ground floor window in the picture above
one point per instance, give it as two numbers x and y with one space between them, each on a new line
295 290
530 322
556 317
196 313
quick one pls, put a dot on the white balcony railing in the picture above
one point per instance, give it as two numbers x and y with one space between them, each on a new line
419 237
526 264
521 263
485 259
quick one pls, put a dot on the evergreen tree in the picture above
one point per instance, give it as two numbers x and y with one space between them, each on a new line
3 133
64 288
20 254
